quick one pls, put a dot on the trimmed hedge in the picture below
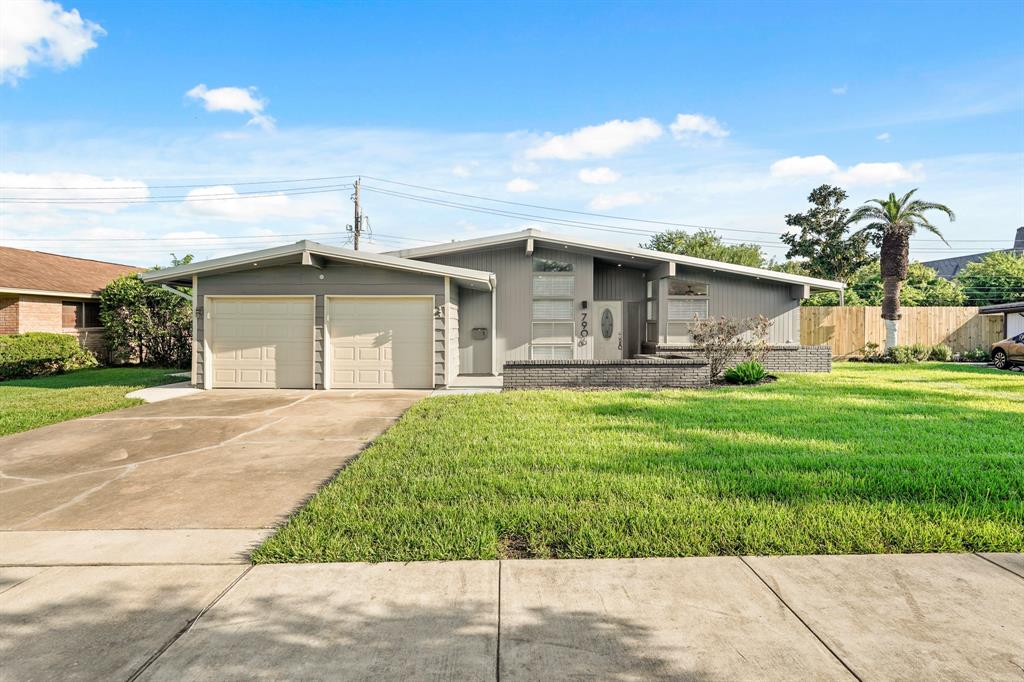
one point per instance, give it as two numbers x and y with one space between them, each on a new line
34 354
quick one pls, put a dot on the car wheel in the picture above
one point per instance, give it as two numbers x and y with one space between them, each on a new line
1000 360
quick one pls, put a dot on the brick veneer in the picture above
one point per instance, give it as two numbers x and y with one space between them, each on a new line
779 358
652 373
9 315
45 314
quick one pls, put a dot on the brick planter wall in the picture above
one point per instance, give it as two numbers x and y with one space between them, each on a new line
779 359
649 373
799 359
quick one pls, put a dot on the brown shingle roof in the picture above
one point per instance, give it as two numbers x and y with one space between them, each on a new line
23 269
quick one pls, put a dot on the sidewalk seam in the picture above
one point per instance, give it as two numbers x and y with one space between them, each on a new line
802 621
188 626
497 648
998 565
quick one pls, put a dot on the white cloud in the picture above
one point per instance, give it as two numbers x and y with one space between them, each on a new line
461 171
43 33
597 141
70 187
841 90
223 201
884 137
520 185
802 166
877 173
240 100
859 174
693 126
603 202
599 176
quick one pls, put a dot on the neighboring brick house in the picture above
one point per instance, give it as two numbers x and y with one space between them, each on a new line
46 292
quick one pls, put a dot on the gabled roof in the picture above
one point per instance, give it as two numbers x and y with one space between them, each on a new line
624 254
309 253
35 272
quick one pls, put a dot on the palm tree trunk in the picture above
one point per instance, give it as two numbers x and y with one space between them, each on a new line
891 309
895 256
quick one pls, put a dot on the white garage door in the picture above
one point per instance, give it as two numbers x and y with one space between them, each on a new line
383 342
261 342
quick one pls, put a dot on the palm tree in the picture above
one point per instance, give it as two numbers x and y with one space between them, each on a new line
893 222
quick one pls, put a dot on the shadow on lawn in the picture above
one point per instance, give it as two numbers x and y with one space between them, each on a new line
884 446
325 631
101 376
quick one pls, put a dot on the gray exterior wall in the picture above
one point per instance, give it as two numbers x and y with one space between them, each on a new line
338 280
474 312
514 291
737 296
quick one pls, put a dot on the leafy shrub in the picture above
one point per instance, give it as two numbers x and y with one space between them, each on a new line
901 355
920 351
941 352
146 324
36 354
721 339
979 354
749 372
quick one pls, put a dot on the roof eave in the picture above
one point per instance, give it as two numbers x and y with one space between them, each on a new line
537 235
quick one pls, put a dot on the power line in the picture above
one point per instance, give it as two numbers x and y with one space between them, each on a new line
184 198
206 184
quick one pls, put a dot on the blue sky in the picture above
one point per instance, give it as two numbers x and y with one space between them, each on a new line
723 114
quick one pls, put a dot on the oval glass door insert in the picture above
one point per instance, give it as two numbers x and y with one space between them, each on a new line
607 323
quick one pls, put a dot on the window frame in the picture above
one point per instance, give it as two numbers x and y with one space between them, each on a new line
675 327
82 318
565 271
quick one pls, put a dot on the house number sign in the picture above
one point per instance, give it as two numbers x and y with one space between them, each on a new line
584 332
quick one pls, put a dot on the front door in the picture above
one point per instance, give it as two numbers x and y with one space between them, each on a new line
607 318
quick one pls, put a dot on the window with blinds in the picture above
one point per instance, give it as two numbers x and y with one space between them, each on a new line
685 309
554 289
554 286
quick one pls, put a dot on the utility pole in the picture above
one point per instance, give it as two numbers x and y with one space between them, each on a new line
357 225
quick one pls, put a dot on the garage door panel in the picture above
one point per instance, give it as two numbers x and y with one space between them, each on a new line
381 342
262 343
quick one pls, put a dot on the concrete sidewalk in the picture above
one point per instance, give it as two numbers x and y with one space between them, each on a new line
935 616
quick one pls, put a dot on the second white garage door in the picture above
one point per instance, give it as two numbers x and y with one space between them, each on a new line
385 342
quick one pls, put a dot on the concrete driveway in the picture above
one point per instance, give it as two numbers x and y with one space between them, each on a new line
198 479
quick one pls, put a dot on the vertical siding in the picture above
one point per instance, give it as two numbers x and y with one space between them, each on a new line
514 271
613 283
474 312
736 296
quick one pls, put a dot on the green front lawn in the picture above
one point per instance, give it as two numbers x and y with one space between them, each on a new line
30 403
871 458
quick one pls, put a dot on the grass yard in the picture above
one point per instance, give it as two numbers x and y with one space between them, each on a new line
30 403
870 458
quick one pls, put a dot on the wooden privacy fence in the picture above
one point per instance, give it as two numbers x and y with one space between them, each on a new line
848 329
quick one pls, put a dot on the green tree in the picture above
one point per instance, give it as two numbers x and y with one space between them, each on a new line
923 287
706 244
822 244
893 221
997 278
146 324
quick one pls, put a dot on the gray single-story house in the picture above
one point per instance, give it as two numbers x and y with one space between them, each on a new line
309 315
